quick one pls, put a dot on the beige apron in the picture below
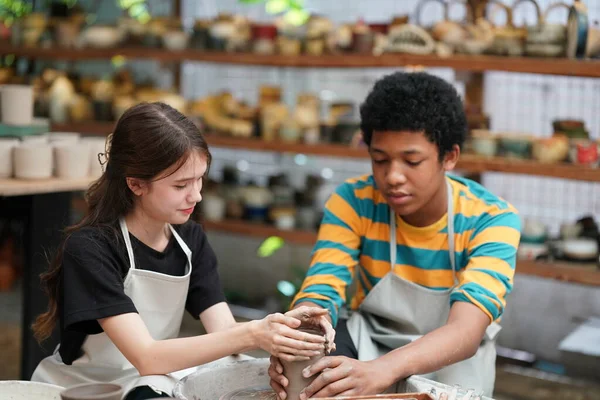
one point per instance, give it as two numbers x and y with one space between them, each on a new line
160 300
397 312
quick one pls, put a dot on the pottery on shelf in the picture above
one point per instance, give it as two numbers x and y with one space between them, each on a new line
6 156
33 161
16 104
551 150
72 159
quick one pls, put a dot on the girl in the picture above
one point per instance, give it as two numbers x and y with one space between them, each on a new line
124 275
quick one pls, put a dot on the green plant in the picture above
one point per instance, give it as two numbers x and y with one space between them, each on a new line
293 10
11 10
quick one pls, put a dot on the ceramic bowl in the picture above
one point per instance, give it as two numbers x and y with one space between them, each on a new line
99 36
515 146
176 40
580 249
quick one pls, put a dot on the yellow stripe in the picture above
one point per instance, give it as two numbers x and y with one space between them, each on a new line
336 283
333 256
343 211
478 304
365 279
316 296
358 298
370 193
339 234
476 207
430 278
503 234
487 281
376 268
493 264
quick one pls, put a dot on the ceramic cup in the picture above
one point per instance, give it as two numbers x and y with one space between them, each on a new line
35 139
93 391
63 137
72 160
213 207
33 161
16 104
97 145
293 370
6 157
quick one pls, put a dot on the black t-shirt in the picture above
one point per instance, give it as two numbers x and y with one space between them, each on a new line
95 264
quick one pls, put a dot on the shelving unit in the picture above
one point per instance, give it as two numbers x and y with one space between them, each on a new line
468 163
574 273
568 67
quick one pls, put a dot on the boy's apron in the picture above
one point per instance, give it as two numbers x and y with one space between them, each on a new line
160 301
397 312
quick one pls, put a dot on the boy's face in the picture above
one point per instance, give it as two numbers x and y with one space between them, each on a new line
408 173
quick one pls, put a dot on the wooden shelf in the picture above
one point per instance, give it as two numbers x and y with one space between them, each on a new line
21 187
246 228
561 271
468 162
587 68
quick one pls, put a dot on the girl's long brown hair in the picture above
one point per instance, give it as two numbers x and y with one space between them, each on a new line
147 139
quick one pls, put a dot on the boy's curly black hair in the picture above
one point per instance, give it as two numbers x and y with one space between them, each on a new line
416 102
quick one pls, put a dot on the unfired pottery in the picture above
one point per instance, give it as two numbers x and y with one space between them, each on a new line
72 160
293 371
17 104
6 157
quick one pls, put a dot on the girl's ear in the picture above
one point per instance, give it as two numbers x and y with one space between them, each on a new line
137 186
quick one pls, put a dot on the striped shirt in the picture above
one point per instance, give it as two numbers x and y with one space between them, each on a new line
353 240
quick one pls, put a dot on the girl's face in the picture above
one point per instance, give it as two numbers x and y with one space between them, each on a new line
172 196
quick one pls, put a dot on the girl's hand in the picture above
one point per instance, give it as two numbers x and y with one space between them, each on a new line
277 334
316 317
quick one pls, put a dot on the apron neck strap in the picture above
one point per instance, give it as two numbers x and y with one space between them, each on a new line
129 247
451 248
127 239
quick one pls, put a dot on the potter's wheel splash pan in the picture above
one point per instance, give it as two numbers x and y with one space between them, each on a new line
212 382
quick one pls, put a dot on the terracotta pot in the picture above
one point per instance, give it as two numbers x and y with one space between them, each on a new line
293 371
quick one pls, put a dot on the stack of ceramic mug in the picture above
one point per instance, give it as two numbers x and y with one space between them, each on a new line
62 154
29 151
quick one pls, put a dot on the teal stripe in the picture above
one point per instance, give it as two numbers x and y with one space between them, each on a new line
331 218
423 258
340 271
373 280
481 193
479 293
325 304
502 251
362 283
379 212
484 221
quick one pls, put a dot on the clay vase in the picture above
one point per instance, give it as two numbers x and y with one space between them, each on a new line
293 370
93 391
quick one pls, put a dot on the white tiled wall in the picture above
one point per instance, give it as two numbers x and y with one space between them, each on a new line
515 102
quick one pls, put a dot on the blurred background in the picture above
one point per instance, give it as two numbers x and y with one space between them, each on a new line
276 85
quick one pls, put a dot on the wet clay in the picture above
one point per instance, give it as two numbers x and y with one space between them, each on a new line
293 370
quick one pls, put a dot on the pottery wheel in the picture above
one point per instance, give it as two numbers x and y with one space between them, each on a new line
253 393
